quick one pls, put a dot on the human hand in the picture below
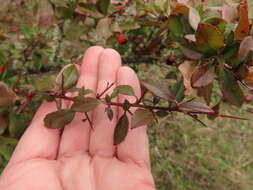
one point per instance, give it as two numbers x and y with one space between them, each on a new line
81 158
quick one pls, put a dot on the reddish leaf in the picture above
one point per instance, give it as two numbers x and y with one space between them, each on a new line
121 130
58 119
141 117
7 96
191 54
85 104
194 106
249 79
158 88
206 92
243 28
245 47
202 76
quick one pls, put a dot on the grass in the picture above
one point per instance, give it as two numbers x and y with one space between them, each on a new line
188 156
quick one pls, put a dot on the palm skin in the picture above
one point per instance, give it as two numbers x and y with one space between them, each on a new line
81 158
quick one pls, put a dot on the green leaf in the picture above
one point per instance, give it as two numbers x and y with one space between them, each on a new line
194 106
121 129
3 124
220 23
7 96
109 112
202 76
178 90
208 38
123 89
58 119
85 104
103 5
178 26
68 77
141 117
158 88
230 88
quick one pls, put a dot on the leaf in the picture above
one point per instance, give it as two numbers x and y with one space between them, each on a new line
3 124
7 96
194 106
58 119
220 23
123 89
109 112
249 79
202 76
186 68
206 93
191 54
191 13
245 47
69 77
141 117
208 38
243 28
88 9
103 5
85 104
121 129
158 88
230 88
178 90
178 26
194 18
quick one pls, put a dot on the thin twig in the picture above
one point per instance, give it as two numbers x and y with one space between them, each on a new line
108 86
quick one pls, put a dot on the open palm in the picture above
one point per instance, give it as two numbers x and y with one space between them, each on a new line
81 158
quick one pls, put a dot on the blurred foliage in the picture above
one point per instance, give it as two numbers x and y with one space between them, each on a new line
195 42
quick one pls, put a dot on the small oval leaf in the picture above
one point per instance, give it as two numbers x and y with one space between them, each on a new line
194 106
69 77
123 89
202 76
121 129
141 117
85 104
58 119
243 28
158 88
